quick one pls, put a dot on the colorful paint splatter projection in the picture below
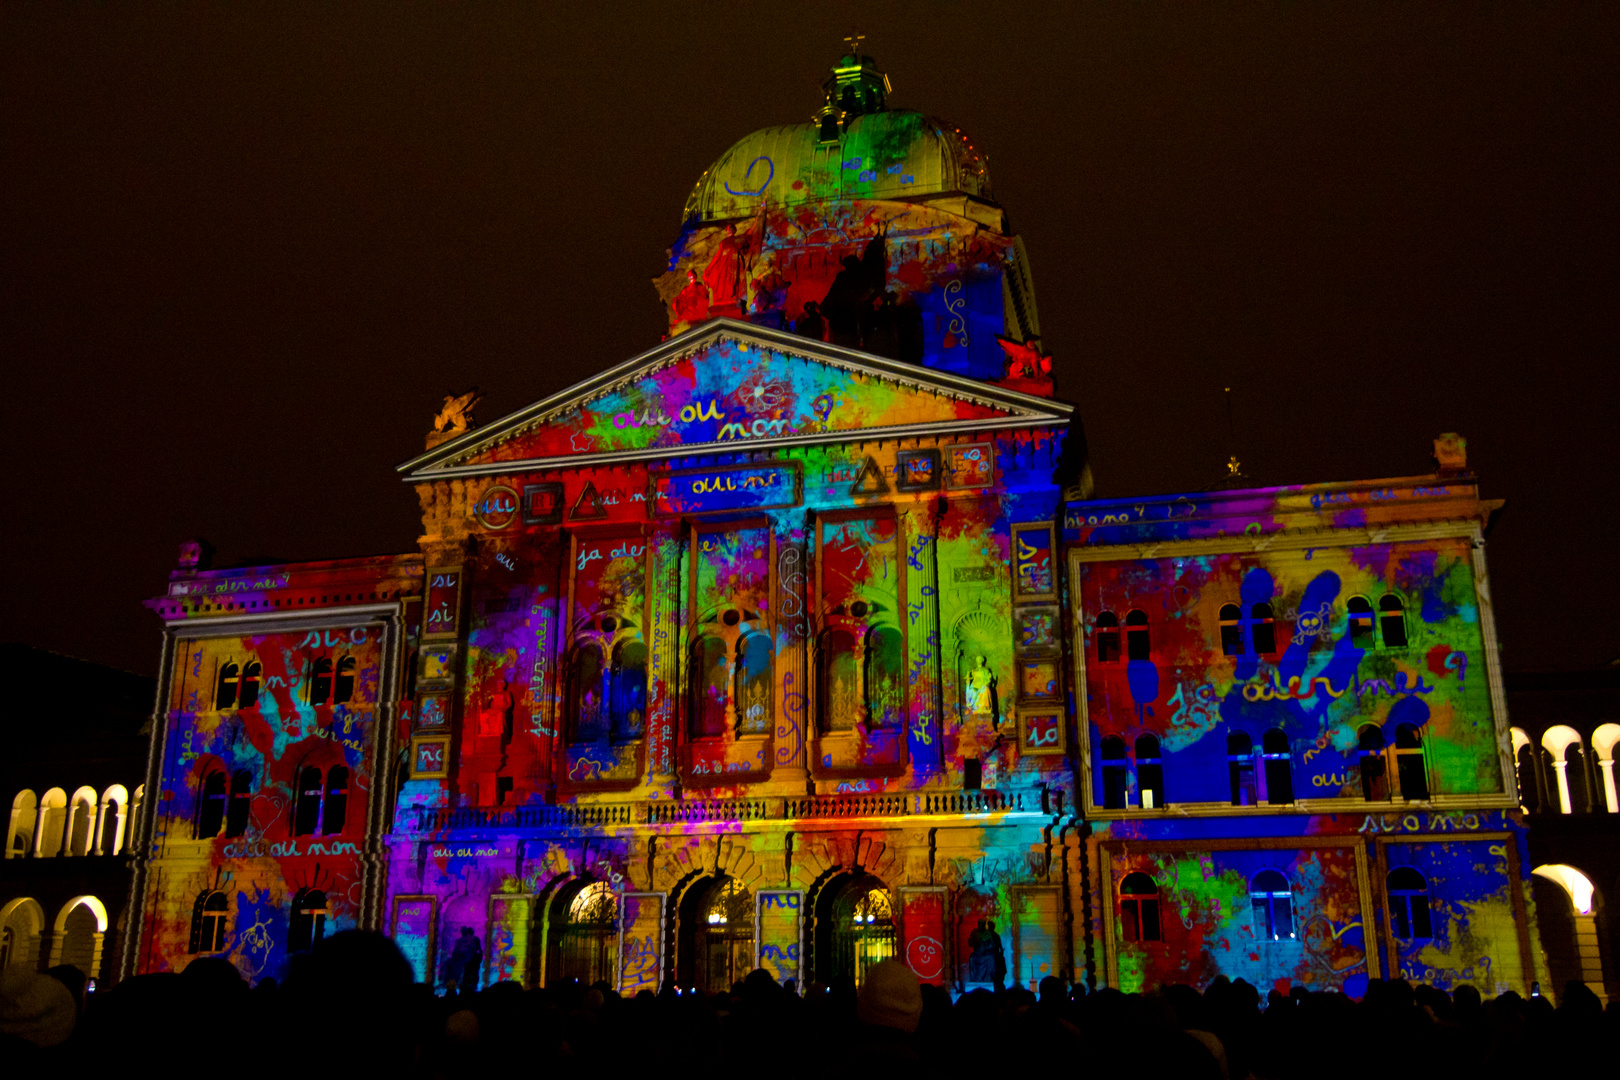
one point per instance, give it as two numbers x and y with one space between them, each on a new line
797 643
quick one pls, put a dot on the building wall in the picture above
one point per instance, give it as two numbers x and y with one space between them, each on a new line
72 779
1310 695
791 779
267 764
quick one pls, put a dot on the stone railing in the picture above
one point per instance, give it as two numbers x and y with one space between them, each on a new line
697 811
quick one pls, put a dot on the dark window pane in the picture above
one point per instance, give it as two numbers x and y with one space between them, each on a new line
249 695
225 693
629 698
1263 628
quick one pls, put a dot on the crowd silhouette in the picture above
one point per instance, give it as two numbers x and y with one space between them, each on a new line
352 1004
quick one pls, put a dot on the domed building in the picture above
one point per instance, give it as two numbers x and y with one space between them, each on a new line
869 227
797 642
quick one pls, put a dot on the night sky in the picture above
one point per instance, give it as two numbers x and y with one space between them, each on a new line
248 249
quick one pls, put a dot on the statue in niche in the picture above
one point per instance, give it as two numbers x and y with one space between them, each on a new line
981 690
460 969
495 719
986 961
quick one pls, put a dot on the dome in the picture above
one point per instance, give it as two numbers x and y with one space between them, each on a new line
854 148
868 227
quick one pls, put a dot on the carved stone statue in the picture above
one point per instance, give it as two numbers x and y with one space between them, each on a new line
457 412
981 689
986 963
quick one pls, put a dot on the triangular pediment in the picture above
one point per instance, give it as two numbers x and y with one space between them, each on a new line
726 386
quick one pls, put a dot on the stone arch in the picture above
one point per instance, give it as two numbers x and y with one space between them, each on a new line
1604 740
112 820
51 824
24 920
81 826
20 834
79 933
1557 740
1569 933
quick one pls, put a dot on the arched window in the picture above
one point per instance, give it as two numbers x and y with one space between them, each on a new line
627 698
1374 772
1240 768
343 685
1139 908
82 823
1231 630
838 685
24 813
320 681
208 922
52 824
1392 621
1273 904
335 807
236 815
1279 759
307 807
728 936
211 813
1114 772
885 679
588 940
866 931
1137 645
307 924
78 927
710 680
1361 622
1149 771
1263 629
1409 762
585 694
225 686
1107 637
249 695
1409 914
753 693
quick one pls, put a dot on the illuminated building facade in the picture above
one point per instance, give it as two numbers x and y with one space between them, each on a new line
1566 729
1293 738
72 772
777 646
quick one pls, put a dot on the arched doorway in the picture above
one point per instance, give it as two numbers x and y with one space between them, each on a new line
716 947
1566 906
21 923
584 941
854 927
81 928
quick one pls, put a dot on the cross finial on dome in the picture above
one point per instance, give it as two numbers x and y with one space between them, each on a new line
855 41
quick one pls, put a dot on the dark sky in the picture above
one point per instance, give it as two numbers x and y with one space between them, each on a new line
247 249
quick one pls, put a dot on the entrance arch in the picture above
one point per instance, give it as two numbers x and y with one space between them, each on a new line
22 922
584 934
716 936
854 927
80 931
1568 921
